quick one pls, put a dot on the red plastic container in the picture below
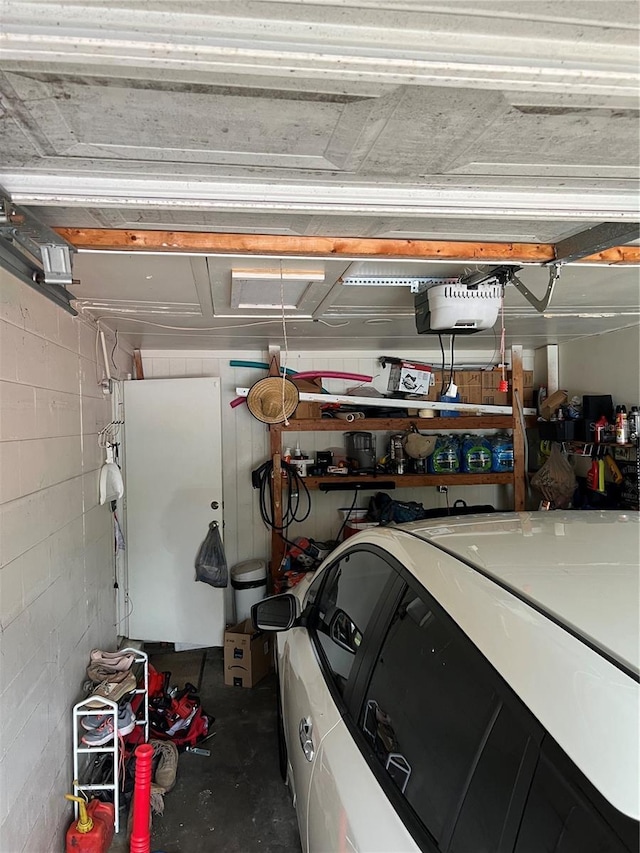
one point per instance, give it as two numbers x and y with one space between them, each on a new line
97 839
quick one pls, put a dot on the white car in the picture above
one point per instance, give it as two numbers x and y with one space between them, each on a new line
467 685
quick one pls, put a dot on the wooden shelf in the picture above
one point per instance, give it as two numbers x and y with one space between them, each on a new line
410 481
468 424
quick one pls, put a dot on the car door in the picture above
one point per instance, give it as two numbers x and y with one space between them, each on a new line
318 665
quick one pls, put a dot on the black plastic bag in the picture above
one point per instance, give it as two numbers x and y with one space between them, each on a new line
385 510
211 563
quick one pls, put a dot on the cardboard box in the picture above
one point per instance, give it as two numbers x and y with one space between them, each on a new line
410 377
553 403
247 655
491 379
470 394
496 398
468 378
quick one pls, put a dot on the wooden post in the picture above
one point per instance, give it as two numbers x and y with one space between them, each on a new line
277 542
519 473
137 364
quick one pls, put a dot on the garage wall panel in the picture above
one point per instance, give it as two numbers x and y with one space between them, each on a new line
603 364
56 565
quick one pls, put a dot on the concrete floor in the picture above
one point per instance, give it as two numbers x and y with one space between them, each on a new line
233 801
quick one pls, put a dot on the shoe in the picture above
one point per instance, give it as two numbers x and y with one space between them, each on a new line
167 755
113 690
120 661
105 731
93 721
98 672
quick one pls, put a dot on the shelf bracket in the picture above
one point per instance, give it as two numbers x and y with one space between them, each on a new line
540 305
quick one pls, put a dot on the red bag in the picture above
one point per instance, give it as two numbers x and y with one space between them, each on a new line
179 718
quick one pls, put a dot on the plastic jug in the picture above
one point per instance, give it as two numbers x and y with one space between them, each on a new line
445 459
93 831
476 454
502 453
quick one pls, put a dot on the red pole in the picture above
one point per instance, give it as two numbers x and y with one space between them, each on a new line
141 834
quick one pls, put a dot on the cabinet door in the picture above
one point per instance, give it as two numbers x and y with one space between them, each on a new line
173 473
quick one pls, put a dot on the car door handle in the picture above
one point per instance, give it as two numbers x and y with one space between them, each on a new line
305 730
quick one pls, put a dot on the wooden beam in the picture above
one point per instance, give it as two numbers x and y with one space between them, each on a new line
519 438
111 239
137 364
615 255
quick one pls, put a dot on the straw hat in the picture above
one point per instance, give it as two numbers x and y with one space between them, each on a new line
265 399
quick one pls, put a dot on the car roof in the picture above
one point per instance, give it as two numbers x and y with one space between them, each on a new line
581 568
551 600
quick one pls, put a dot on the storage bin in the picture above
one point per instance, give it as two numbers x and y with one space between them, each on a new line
352 527
249 582
567 430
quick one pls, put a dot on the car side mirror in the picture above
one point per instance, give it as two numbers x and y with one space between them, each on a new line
344 632
277 613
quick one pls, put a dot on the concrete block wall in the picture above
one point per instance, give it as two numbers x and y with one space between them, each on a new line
57 600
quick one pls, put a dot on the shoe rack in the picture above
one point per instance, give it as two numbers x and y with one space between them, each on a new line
107 708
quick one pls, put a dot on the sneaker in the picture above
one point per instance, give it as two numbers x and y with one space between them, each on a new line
105 731
167 754
94 721
98 672
113 690
120 661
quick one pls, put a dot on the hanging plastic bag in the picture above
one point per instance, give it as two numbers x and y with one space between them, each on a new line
211 563
556 480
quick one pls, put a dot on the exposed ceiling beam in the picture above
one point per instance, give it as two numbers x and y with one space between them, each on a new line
108 239
204 242
598 238
619 255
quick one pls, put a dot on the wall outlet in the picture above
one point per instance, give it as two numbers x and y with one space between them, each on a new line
442 489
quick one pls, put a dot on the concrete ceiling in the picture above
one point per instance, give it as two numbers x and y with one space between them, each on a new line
492 120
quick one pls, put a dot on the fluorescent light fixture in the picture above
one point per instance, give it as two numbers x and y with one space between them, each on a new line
115 306
267 306
277 274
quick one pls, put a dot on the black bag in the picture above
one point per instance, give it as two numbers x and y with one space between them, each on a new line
459 508
384 510
211 563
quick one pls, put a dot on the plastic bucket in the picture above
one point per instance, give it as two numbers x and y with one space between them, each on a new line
249 582
352 527
356 514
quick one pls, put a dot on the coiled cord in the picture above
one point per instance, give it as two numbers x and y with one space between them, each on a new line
293 508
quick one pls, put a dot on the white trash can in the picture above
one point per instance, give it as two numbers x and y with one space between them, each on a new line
249 582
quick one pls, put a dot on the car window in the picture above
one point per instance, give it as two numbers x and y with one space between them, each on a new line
426 710
558 820
481 820
345 606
